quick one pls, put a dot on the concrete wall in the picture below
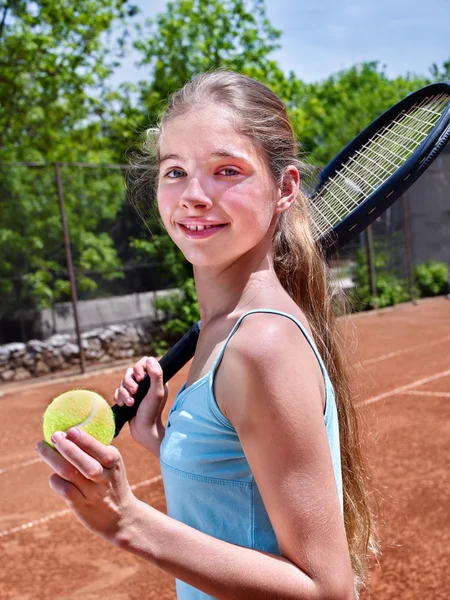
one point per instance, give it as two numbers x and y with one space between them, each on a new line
101 313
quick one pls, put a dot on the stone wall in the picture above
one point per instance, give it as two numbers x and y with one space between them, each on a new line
60 352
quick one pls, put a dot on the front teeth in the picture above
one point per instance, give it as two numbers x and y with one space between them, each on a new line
198 227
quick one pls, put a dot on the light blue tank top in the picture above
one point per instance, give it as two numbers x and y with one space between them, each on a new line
207 480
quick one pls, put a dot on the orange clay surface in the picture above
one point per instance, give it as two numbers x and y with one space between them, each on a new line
402 364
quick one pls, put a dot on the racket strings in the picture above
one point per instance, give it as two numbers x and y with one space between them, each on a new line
374 163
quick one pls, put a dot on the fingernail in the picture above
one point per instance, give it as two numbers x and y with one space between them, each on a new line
38 446
58 436
73 433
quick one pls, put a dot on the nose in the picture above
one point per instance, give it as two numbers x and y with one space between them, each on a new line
194 195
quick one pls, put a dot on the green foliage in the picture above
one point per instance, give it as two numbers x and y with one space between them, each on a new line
32 255
56 105
390 289
440 73
329 114
180 310
54 58
193 36
431 278
163 251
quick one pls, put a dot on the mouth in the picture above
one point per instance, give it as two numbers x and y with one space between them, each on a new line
200 231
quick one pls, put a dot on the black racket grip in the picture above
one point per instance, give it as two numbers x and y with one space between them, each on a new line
170 363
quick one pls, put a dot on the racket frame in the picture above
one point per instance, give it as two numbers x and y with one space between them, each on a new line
385 195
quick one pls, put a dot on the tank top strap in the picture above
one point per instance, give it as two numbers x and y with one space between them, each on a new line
275 312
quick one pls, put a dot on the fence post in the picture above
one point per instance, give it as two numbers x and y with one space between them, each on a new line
371 266
407 248
73 287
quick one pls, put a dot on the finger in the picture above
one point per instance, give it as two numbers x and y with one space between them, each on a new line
157 379
153 404
140 369
83 444
57 462
117 399
64 488
122 396
83 461
130 380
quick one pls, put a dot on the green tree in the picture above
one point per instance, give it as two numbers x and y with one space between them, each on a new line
32 258
193 36
440 73
55 59
329 114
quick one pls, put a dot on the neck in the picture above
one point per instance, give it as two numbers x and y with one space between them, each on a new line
229 289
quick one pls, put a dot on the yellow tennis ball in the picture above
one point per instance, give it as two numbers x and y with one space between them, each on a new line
83 409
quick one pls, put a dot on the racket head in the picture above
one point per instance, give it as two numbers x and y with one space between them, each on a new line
379 165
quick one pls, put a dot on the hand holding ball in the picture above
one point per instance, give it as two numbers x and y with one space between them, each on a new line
83 409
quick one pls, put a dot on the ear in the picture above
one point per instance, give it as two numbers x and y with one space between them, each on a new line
288 191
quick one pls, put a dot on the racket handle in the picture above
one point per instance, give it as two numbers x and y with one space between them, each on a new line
170 363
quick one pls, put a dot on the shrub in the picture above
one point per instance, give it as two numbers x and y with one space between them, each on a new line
431 278
180 310
390 289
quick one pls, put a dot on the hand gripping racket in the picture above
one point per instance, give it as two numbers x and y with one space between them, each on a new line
355 188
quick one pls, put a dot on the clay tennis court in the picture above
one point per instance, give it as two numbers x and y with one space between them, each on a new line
402 359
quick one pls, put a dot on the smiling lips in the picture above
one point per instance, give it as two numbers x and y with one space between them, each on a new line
200 231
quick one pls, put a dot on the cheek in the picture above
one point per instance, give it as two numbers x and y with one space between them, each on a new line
164 207
253 208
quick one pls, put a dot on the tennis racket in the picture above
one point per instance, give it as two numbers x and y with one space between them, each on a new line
355 188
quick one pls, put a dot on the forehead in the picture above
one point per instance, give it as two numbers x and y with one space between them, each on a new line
203 131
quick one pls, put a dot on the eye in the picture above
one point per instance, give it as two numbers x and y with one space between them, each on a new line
174 174
229 171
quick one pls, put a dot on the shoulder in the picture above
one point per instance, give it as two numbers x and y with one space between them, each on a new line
260 331
268 340
267 359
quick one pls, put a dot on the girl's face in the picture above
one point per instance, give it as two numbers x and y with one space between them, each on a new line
216 196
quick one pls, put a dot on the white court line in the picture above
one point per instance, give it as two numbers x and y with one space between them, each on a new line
34 523
404 388
63 513
371 361
19 465
433 394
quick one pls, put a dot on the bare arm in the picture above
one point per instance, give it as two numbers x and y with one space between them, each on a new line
220 569
275 402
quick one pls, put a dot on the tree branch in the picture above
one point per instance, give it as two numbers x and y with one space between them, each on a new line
2 24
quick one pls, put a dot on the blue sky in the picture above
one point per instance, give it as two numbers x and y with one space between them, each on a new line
320 37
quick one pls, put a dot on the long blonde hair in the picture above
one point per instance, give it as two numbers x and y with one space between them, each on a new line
300 267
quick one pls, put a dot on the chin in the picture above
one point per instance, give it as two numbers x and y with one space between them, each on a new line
203 261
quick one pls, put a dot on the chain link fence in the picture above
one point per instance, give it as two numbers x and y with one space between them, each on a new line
69 261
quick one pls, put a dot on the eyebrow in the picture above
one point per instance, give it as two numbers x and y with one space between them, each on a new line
219 154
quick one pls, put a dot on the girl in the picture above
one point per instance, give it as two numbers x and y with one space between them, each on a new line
260 457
